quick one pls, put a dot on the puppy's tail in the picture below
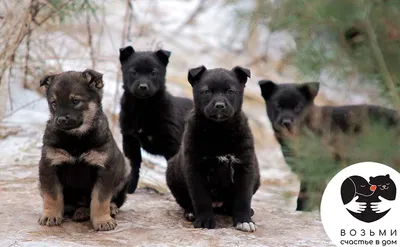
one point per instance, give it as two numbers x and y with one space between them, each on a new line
134 178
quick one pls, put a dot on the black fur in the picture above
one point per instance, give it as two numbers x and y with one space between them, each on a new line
290 108
150 118
217 160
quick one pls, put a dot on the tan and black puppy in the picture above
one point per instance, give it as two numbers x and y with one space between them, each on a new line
291 109
81 168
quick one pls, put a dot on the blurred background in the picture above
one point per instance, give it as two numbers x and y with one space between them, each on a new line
351 47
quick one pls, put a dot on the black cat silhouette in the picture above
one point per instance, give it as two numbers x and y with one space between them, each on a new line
368 192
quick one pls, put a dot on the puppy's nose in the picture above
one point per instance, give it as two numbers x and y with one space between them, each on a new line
62 120
143 87
219 105
287 122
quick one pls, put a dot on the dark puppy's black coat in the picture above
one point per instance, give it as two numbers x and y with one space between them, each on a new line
216 165
290 108
150 117
81 166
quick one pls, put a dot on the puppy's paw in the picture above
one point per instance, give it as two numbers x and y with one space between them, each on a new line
114 210
240 217
246 226
189 216
205 221
50 220
81 214
104 223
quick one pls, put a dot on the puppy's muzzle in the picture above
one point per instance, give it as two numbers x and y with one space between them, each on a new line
287 123
143 87
220 105
66 122
142 90
62 120
219 111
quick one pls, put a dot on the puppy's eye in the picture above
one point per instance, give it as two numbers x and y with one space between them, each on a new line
207 92
388 184
133 73
362 186
231 91
53 104
278 107
298 108
76 101
154 73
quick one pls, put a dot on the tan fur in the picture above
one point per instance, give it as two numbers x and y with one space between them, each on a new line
95 158
334 138
99 84
100 211
128 167
316 118
88 118
53 208
53 98
73 96
58 156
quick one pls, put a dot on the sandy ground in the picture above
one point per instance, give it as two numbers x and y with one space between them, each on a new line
149 218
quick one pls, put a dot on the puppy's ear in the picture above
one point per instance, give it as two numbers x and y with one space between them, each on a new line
268 88
45 81
125 53
94 78
241 73
195 74
163 55
309 90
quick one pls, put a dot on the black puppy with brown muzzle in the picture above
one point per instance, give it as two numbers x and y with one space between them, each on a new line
151 118
291 109
81 168
216 169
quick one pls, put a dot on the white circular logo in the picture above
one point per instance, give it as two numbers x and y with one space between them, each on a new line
361 206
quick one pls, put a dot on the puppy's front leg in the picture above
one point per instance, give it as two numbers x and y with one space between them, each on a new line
100 208
52 194
241 213
201 201
131 147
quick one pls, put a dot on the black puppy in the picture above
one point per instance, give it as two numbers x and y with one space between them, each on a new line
216 166
290 108
81 166
150 117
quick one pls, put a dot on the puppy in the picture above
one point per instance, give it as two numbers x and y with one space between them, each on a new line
81 168
150 118
216 168
290 108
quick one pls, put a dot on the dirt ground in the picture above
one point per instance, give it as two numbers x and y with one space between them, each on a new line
149 218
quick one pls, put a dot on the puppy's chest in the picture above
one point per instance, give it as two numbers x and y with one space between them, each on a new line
76 154
78 176
220 174
77 147
149 131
